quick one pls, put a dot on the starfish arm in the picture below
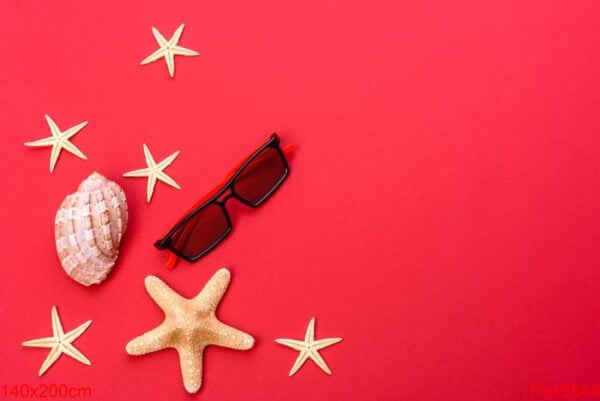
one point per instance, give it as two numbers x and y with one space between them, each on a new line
326 342
208 299
148 156
67 145
309 337
316 357
151 341
159 38
295 344
53 127
57 329
167 180
50 359
154 56
75 333
190 361
170 59
299 362
182 51
232 338
73 130
150 187
177 35
47 342
167 161
162 294
54 155
42 142
74 353
143 172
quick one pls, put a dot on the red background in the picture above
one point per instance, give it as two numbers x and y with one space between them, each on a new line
441 215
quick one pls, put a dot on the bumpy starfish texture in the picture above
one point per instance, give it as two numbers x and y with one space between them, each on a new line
190 325
154 172
309 348
60 343
59 141
169 49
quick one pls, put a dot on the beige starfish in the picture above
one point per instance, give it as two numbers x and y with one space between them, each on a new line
309 348
60 343
190 325
59 141
169 49
154 172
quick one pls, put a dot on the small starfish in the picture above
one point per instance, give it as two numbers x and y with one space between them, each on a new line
169 49
154 171
190 326
309 348
59 141
60 343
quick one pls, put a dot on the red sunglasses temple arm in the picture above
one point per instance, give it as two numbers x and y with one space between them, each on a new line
173 259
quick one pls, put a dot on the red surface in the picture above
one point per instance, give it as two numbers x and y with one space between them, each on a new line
441 215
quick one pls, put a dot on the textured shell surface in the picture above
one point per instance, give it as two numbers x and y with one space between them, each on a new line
89 227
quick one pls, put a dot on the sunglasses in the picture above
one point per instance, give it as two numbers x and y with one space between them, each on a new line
208 223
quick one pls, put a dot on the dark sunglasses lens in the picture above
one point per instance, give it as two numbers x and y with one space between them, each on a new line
200 232
260 176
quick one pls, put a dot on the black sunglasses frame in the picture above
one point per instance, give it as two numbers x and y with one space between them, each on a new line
167 243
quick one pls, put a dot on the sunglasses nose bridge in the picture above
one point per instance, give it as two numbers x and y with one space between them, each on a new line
225 198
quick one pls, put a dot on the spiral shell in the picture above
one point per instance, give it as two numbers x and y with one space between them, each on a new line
88 229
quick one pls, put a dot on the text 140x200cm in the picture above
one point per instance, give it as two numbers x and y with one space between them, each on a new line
44 391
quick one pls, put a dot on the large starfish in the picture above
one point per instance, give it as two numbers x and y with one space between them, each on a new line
59 141
169 49
60 343
154 171
309 348
190 325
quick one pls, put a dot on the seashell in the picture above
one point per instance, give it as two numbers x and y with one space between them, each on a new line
88 228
